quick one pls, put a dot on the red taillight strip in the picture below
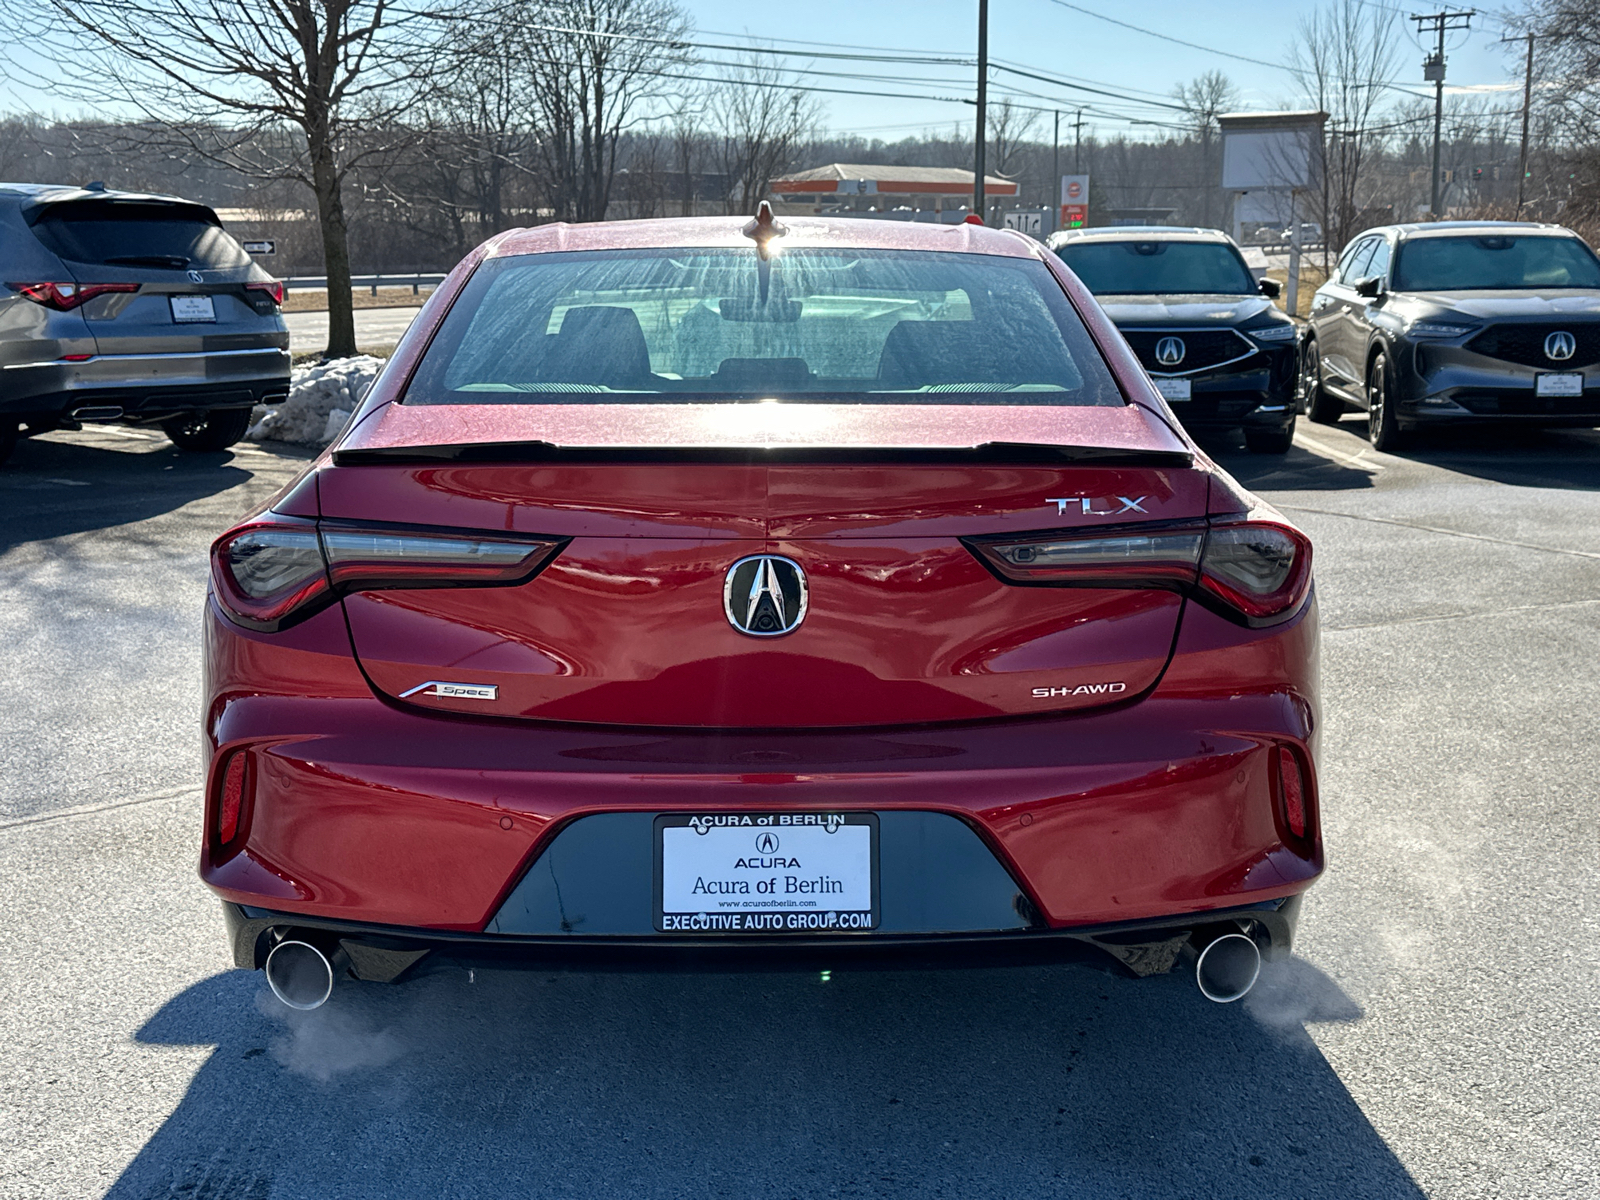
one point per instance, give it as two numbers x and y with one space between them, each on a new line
269 574
273 289
66 296
1231 565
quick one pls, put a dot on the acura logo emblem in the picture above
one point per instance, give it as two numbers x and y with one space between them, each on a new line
765 595
1560 346
1169 351
196 277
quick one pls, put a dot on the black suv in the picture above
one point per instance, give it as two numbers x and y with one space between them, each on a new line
1209 335
130 308
1454 322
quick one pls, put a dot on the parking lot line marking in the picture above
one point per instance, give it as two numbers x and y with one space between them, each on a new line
1477 537
84 810
1350 460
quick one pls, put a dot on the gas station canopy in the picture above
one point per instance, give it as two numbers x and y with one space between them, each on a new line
857 179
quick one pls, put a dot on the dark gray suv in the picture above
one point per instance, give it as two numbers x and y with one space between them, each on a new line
117 307
1457 322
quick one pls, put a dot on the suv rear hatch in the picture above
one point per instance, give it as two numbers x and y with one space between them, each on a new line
170 279
908 620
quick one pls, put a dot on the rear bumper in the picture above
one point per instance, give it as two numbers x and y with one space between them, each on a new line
382 953
373 813
146 387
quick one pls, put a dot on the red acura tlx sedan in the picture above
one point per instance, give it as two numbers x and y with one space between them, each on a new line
706 588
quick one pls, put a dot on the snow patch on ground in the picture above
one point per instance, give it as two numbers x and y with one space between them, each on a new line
321 399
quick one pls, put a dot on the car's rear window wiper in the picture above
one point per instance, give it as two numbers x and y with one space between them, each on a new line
176 261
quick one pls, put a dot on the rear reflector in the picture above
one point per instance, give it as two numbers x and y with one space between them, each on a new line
1292 789
271 573
65 296
1257 572
230 799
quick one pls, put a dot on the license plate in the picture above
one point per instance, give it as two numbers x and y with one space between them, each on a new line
1173 389
766 873
190 309
1558 385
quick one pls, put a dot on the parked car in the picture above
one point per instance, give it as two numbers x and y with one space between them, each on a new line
688 587
1310 232
123 307
1217 348
1457 322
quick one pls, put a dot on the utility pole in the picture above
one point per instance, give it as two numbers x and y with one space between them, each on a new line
1527 105
978 204
1433 72
1055 168
1077 148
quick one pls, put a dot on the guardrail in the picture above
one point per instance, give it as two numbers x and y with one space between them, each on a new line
418 280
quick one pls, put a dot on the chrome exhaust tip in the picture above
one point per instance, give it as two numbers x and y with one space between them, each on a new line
301 975
1228 968
97 412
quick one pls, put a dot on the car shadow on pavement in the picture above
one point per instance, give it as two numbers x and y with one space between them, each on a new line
1298 470
1017 1082
1544 458
50 488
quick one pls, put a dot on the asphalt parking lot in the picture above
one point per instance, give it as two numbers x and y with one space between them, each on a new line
1436 1034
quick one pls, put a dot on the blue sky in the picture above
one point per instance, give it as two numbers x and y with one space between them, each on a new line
1040 34
1060 41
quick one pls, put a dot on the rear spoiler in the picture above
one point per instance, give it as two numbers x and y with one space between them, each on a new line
1003 453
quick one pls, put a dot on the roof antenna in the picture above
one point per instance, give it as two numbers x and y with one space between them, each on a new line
97 186
763 228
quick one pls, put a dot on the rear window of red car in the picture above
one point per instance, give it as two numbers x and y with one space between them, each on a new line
826 325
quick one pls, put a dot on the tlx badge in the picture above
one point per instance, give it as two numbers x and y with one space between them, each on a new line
1089 505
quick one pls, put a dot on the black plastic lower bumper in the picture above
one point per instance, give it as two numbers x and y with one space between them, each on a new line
383 953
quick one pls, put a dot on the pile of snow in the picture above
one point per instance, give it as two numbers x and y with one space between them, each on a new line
321 399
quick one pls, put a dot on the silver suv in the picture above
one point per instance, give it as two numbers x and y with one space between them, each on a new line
134 309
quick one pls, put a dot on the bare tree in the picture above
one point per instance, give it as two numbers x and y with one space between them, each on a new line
1204 99
1345 58
274 88
1567 99
596 67
762 121
1011 128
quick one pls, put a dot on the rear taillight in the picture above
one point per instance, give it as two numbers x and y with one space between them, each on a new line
65 296
1259 569
1255 571
273 290
1292 792
366 558
269 574
1126 559
232 791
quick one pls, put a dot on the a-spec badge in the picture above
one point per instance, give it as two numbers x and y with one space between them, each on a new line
1088 505
454 691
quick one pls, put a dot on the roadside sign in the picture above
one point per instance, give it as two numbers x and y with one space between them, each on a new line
1074 201
1030 222
262 247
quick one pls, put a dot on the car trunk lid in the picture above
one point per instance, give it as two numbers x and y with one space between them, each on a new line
632 623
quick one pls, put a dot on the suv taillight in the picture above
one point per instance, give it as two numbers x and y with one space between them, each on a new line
1257 572
66 296
272 573
272 291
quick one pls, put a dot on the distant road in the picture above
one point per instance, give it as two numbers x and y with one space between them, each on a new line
375 327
